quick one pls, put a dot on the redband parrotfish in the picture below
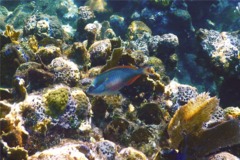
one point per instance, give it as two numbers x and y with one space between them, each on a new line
112 80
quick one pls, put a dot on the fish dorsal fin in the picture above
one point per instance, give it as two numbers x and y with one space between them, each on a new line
118 67
133 80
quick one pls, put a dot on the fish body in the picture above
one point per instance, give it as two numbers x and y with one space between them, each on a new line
111 81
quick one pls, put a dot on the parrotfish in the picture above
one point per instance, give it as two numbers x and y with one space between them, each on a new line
112 80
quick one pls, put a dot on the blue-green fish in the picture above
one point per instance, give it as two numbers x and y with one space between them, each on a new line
111 81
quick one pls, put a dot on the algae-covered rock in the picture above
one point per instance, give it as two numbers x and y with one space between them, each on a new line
136 29
48 53
211 140
92 29
131 154
42 26
100 51
117 131
232 112
65 71
80 54
141 135
83 108
221 49
68 151
150 113
106 149
17 153
98 5
56 101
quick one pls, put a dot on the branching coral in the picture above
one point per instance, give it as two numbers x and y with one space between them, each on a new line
12 34
189 118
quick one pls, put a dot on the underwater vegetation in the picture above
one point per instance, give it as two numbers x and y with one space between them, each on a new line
117 80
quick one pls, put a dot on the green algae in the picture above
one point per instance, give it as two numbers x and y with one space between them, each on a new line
56 102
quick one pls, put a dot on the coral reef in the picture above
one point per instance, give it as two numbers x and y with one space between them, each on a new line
51 51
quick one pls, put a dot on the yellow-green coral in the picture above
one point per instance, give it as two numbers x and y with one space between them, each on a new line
12 34
189 118
56 101
33 43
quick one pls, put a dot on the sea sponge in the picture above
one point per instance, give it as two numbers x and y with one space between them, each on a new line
12 34
189 118
56 101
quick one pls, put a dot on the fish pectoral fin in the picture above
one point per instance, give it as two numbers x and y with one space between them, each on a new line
133 80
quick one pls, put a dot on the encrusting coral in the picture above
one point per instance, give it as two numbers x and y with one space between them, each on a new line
12 34
189 118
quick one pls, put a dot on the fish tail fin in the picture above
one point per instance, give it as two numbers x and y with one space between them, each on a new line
148 70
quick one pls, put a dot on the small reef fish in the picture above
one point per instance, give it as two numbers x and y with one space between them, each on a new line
112 80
